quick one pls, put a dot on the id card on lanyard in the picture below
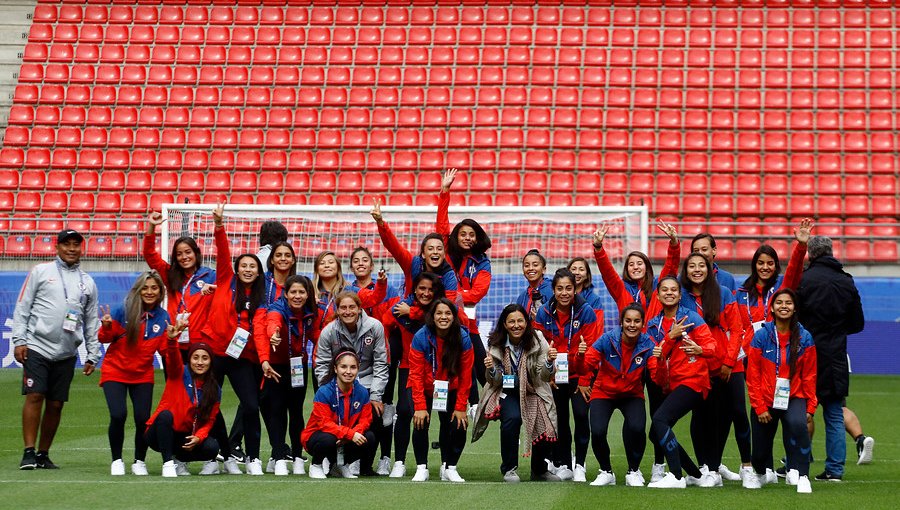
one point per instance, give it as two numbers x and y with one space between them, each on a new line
515 358
183 313
237 343
441 388
562 368
72 319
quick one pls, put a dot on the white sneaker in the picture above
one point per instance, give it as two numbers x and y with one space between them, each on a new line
604 478
317 472
254 467
181 468
441 470
354 468
753 480
564 473
347 472
865 455
512 476
281 468
657 472
384 467
746 471
451 475
326 465
803 486
117 468
421 473
270 465
791 477
139 468
728 474
231 467
579 474
634 479
169 470
299 466
210 467
399 470
711 479
691 481
771 477
669 482
551 467
387 418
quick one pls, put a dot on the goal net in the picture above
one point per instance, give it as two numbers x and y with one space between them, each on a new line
559 233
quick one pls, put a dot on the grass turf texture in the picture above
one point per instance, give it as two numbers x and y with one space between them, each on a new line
81 450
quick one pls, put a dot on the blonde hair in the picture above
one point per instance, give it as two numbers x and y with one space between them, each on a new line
134 305
339 277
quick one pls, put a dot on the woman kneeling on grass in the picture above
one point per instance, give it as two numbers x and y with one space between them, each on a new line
179 429
519 367
338 429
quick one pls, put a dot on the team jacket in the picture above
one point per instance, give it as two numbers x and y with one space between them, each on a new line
407 326
676 368
179 397
369 297
425 366
769 358
724 278
593 300
375 304
368 342
41 310
296 332
341 415
223 319
564 332
474 273
625 293
133 364
757 310
274 290
729 333
545 288
611 376
413 265
189 298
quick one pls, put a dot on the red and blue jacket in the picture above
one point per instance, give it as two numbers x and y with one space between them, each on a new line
625 293
408 325
376 297
296 331
769 358
545 288
339 414
127 364
564 331
757 310
412 265
274 290
729 333
610 374
189 298
675 368
425 366
724 278
180 397
593 300
224 319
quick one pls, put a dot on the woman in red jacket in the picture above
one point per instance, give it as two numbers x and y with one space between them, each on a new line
440 375
781 377
134 333
180 427
280 265
328 279
190 285
238 308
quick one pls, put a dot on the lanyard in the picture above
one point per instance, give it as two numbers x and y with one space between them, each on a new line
196 403
272 285
343 410
434 363
765 306
778 354
328 304
182 305
515 357
145 318
63 281
562 328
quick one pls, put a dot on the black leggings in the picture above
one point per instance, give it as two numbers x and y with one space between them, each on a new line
677 404
282 407
116 399
707 424
633 431
736 408
794 433
386 437
478 370
322 445
510 425
244 377
565 395
163 438
404 416
655 397
451 438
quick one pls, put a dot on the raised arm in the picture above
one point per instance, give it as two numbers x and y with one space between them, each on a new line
794 270
442 224
149 248
611 279
389 240
224 269
673 252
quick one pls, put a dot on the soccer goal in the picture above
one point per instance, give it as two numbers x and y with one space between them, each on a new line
559 233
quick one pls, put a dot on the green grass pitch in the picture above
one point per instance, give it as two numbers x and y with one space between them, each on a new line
81 449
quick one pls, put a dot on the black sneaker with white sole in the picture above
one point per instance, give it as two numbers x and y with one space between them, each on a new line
44 462
29 460
781 472
825 476
238 454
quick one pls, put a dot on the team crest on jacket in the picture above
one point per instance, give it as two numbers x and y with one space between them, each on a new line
29 382
368 340
576 324
356 405
200 284
156 328
639 360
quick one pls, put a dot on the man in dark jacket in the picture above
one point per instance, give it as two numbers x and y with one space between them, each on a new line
830 309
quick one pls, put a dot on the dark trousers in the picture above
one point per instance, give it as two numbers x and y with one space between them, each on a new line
735 407
163 438
386 437
282 408
677 404
794 434
322 445
564 395
478 370
244 377
404 416
116 399
655 397
451 438
510 425
707 424
633 431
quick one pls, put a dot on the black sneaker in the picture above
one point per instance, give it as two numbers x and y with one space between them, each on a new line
29 460
44 462
781 472
238 454
825 476
435 445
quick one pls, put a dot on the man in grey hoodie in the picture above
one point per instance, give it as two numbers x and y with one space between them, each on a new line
56 312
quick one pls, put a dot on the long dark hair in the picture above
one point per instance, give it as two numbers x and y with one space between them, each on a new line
134 305
207 382
794 343
270 264
453 340
646 284
175 275
437 284
499 335
257 295
272 232
710 291
753 279
632 306
310 305
587 268
455 251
